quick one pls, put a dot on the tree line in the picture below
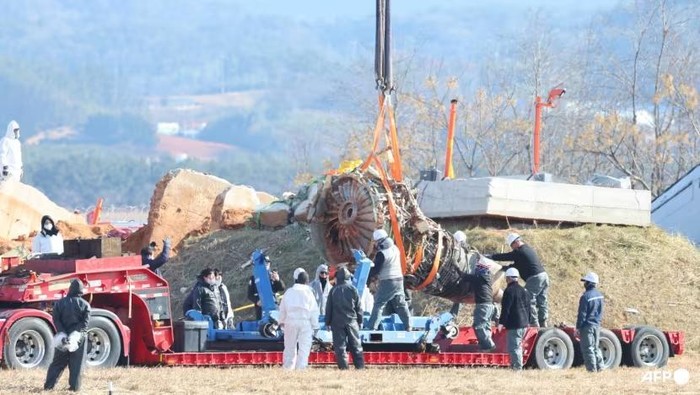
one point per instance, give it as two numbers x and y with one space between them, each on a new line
631 107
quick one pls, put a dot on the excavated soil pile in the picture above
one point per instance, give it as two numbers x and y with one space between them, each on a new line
643 269
187 203
21 209
288 249
83 231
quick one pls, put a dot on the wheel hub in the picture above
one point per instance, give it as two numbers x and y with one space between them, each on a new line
649 350
555 353
29 349
607 351
98 345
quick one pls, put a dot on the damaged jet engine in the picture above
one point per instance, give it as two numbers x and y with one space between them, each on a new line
343 210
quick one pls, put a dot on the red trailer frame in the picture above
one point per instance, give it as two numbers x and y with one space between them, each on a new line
137 302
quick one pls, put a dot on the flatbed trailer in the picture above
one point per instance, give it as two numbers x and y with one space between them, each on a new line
132 323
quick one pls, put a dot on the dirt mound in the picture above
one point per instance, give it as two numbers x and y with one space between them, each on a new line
288 249
643 269
21 209
181 206
72 231
234 207
5 245
188 203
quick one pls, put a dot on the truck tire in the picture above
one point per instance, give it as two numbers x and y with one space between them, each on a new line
649 348
29 344
553 350
103 344
611 348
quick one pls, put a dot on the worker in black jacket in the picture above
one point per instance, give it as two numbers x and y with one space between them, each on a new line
206 297
277 288
590 315
483 310
344 317
71 316
515 307
148 257
536 279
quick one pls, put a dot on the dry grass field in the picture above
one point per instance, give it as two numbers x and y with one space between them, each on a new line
274 380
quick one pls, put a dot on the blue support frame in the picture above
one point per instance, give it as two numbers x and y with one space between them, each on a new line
266 329
392 330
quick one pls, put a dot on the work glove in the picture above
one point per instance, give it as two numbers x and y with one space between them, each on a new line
490 256
73 341
60 341
166 241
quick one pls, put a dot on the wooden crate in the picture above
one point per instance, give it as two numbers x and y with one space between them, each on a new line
88 248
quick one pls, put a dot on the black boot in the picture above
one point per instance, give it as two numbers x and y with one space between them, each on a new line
543 324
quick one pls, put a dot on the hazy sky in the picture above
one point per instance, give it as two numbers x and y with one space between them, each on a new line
401 8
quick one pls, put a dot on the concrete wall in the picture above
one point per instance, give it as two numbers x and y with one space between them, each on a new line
677 210
548 201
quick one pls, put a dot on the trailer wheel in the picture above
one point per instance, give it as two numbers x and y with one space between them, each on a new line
29 345
611 348
648 348
103 343
553 350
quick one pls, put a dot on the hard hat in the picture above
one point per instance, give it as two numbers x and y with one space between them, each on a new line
591 278
512 272
379 234
511 238
460 237
297 271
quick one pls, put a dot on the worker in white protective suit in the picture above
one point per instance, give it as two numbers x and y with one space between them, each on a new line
11 154
299 319
49 239
321 286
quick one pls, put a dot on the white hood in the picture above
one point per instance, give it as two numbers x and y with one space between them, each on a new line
11 129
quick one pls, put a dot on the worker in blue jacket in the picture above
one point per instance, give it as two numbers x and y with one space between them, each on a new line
590 315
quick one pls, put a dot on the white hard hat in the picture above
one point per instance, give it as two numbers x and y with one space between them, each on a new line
460 237
298 271
591 278
512 272
379 234
511 238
